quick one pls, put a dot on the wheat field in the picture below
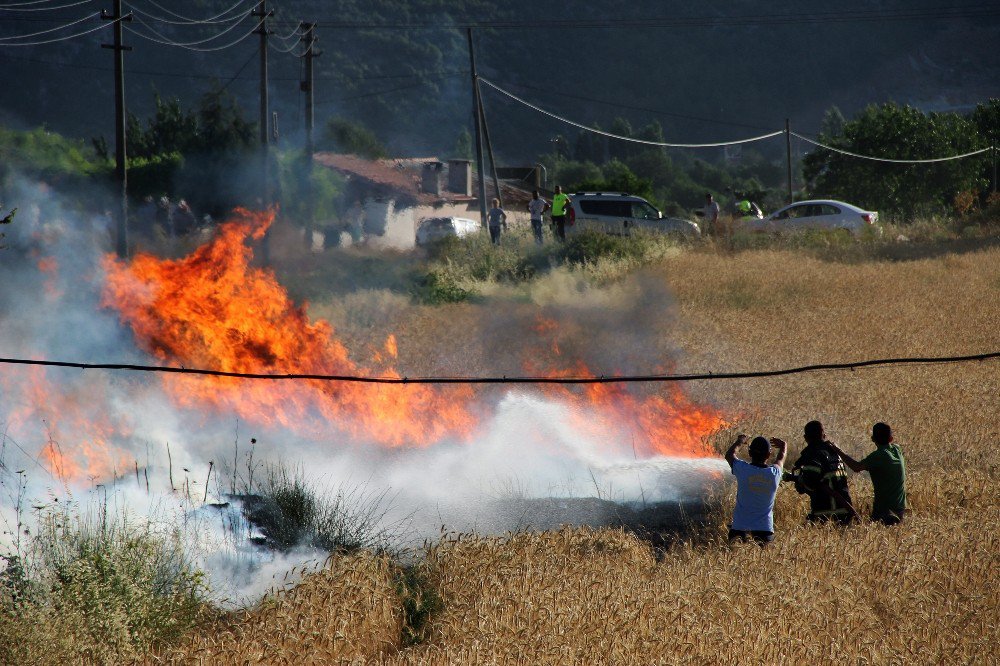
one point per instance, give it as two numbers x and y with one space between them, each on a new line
920 593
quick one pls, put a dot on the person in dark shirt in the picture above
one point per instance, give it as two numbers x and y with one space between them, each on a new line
820 474
887 468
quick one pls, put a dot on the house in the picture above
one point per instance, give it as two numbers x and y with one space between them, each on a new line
390 196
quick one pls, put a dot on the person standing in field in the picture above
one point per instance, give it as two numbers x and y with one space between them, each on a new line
820 474
536 207
496 218
711 214
756 486
887 468
560 202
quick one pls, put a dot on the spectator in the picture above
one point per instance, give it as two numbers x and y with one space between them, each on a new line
497 218
711 214
536 207
756 486
560 202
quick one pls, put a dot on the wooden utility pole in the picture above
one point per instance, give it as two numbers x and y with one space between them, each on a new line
489 145
476 112
121 172
309 39
262 13
788 152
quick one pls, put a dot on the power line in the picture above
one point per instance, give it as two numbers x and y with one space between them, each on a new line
17 7
56 29
186 20
59 39
185 44
194 48
619 105
892 161
591 379
908 14
627 138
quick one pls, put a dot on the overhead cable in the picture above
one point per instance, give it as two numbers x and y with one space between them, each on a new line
185 20
195 48
56 29
619 105
61 39
194 43
18 6
543 23
587 379
628 138
885 159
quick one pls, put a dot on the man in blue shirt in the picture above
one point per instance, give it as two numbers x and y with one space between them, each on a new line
756 485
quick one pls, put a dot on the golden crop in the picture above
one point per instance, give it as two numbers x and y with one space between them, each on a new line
921 593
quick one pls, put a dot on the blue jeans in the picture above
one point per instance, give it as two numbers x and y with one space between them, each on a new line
495 235
536 227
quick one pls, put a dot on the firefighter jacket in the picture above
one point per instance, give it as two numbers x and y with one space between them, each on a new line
821 474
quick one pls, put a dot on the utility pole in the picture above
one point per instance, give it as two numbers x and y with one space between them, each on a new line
476 112
121 172
489 145
262 13
308 39
788 152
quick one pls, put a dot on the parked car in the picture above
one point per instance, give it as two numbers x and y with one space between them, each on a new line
816 214
618 213
431 229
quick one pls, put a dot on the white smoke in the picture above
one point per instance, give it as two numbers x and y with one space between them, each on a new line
529 447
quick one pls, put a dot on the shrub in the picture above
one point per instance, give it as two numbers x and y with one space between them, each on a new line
289 512
95 589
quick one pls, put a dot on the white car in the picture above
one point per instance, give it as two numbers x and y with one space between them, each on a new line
619 214
432 229
816 214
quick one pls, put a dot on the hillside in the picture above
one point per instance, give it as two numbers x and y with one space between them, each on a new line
705 73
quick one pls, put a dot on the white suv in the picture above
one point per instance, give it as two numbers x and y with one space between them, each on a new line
619 214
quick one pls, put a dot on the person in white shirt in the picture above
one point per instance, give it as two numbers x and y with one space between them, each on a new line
756 486
496 218
536 207
711 213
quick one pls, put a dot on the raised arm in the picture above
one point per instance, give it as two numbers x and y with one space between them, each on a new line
780 445
731 453
848 460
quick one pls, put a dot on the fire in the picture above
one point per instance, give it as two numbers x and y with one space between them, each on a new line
214 310
661 424
79 432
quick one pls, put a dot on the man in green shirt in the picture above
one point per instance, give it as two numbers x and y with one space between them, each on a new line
888 471
560 202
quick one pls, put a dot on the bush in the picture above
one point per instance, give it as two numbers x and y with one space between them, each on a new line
589 246
289 512
95 590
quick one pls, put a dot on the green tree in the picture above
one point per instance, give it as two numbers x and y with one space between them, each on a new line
903 133
463 145
346 136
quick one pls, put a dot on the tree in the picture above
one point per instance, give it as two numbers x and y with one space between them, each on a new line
986 118
833 122
347 136
463 145
903 133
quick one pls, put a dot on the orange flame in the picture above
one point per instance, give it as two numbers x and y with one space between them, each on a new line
79 431
212 309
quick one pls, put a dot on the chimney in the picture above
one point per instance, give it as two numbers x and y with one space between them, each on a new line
460 177
431 178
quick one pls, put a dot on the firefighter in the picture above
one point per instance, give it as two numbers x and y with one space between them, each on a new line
820 473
